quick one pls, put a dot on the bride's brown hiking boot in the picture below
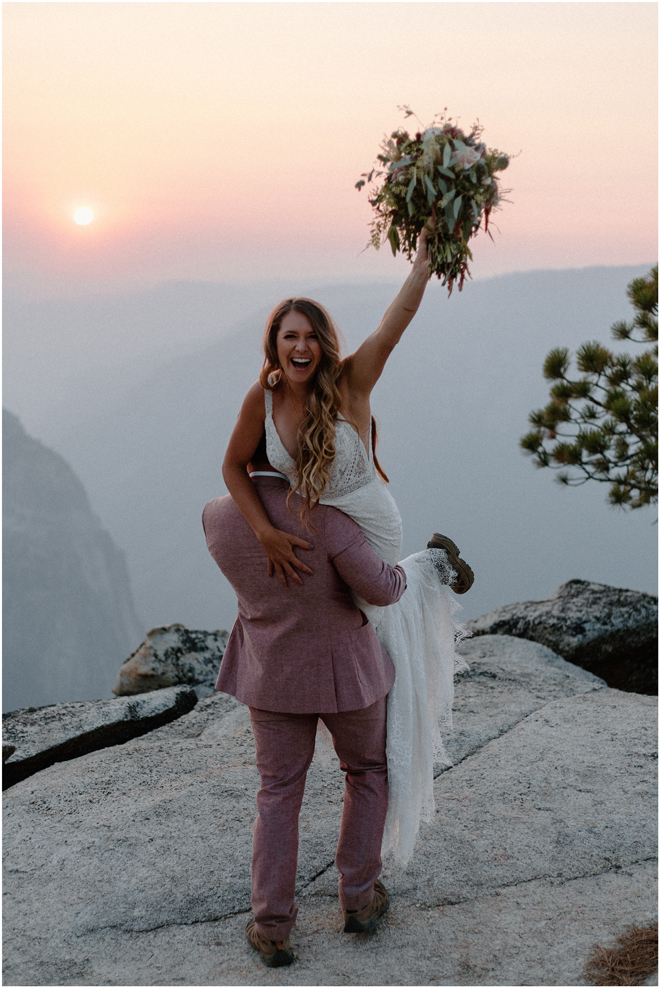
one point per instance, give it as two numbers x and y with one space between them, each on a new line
465 574
274 953
363 920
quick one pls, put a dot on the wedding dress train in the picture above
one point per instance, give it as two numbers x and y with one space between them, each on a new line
418 633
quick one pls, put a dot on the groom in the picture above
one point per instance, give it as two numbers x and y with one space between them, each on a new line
297 653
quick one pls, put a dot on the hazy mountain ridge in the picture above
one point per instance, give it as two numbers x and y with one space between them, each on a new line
62 354
452 403
68 616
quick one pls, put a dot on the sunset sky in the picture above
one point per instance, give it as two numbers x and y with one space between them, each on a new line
222 141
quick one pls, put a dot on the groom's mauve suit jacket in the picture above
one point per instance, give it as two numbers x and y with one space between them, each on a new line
301 648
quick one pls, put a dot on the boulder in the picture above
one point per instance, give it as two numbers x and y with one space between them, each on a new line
172 655
41 736
132 865
611 632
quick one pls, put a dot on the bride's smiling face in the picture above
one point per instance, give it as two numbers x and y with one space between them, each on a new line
298 349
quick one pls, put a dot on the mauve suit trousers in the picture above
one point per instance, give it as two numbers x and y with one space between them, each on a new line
285 747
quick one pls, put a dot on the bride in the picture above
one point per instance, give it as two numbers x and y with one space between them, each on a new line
313 407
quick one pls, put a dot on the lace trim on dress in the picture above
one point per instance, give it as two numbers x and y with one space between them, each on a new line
278 456
419 634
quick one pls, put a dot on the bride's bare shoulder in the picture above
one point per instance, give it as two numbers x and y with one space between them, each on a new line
253 403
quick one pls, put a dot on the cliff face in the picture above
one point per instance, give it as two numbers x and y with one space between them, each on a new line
68 616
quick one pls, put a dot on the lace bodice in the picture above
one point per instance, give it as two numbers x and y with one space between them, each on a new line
352 466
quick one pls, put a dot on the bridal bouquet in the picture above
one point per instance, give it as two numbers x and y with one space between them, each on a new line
440 178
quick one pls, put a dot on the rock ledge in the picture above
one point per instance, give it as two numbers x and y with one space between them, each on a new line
42 736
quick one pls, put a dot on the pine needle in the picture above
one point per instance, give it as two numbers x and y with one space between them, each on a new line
630 962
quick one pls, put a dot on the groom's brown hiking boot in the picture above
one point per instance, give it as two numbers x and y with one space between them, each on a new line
274 953
465 574
363 920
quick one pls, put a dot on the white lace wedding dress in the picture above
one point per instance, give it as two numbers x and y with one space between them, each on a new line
418 633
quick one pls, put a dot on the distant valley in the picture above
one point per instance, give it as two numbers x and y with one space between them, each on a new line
452 403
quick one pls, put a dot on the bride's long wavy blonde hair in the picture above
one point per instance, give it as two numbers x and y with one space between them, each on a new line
316 435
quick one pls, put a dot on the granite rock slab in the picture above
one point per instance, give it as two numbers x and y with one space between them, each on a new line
540 933
569 791
131 865
609 631
153 833
509 678
42 736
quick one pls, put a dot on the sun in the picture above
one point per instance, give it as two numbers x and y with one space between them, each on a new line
83 215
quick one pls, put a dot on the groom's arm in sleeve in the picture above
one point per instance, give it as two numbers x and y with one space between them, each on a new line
357 563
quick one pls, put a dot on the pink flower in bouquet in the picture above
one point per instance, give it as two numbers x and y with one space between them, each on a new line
467 157
398 175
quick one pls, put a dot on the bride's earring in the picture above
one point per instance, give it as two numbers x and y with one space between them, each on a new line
274 377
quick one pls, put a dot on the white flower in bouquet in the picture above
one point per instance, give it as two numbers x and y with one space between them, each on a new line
466 156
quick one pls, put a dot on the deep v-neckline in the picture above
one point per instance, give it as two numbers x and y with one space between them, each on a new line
268 400
270 413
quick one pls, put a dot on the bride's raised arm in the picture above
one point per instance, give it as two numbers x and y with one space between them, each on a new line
363 368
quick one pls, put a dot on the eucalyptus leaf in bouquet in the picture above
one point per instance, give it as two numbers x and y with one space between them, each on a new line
440 178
